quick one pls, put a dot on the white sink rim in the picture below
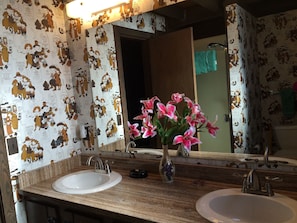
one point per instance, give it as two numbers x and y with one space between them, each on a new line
108 181
204 209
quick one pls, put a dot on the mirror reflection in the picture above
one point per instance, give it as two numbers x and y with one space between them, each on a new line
254 78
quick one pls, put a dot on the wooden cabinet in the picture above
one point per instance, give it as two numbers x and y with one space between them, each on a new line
41 212
73 216
52 211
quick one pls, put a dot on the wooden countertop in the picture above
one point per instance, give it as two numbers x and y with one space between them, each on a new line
149 199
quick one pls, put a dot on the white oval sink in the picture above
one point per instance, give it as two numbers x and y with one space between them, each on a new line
86 181
231 205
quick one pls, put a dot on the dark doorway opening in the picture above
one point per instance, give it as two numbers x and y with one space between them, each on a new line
134 75
137 83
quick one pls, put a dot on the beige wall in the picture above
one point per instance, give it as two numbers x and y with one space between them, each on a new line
213 94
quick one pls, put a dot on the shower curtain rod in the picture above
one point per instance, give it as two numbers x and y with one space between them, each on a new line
213 45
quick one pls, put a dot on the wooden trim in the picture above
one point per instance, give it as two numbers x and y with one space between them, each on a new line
5 182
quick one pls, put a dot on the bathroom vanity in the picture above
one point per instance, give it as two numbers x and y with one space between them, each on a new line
133 200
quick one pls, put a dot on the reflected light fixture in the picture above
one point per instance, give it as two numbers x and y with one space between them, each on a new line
84 8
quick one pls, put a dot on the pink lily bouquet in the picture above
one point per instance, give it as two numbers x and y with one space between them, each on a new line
171 126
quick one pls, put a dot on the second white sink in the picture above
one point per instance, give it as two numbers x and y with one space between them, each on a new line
231 205
86 181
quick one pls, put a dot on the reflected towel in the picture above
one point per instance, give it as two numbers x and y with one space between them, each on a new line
205 61
288 101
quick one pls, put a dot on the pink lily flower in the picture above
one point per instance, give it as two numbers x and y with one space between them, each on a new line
133 130
168 111
187 139
195 108
144 114
196 118
189 102
148 129
176 98
153 113
149 104
212 129
199 116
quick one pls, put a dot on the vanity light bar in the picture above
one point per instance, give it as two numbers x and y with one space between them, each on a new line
83 8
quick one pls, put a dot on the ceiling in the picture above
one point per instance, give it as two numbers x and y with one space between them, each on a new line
209 14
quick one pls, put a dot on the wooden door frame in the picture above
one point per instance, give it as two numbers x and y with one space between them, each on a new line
120 32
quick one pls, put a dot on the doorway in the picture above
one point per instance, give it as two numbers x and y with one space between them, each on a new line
137 86
213 95
165 65
133 75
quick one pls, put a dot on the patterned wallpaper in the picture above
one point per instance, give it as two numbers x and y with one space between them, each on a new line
38 104
276 38
46 88
244 81
262 62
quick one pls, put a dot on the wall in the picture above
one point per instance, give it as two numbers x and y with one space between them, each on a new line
214 100
244 79
38 102
262 61
46 90
276 38
45 93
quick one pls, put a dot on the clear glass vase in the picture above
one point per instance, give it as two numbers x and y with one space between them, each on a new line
181 151
166 166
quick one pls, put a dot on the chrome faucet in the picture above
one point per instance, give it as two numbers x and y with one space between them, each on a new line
98 164
268 163
253 181
130 144
107 167
252 185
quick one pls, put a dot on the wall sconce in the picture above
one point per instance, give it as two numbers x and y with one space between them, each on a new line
84 8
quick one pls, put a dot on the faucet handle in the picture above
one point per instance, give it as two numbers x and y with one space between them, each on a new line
277 179
268 189
268 186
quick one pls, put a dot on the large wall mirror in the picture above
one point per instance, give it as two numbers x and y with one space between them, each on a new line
207 21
